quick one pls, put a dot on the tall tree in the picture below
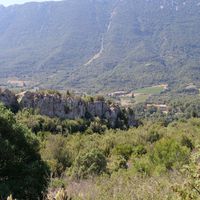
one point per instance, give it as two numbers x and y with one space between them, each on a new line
22 172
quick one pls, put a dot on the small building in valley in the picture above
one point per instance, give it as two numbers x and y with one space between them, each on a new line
162 107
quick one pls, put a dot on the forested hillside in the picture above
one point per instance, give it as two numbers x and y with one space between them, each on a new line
99 45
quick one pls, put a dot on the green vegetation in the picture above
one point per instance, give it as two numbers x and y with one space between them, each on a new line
62 159
141 98
89 164
168 153
145 44
142 95
85 159
151 154
22 171
190 188
181 108
150 90
39 124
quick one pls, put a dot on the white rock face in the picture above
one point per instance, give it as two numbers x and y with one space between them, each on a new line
55 105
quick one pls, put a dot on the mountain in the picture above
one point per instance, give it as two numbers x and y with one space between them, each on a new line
100 45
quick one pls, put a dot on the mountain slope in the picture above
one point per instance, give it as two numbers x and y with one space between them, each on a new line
148 42
49 37
101 44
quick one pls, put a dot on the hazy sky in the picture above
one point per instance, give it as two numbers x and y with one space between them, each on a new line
11 2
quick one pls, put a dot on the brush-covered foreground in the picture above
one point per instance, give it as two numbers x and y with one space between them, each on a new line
157 160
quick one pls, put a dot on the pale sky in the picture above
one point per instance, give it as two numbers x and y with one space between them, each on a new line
11 2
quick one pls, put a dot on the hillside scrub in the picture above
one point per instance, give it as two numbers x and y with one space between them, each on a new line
146 162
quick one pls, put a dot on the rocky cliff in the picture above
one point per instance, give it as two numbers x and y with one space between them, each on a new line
66 107
8 99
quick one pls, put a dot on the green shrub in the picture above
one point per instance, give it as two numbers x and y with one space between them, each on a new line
88 99
153 137
122 120
57 183
185 141
116 162
56 154
190 188
89 164
97 126
123 150
74 126
139 150
169 153
38 122
143 166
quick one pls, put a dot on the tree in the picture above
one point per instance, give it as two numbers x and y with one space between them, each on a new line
22 171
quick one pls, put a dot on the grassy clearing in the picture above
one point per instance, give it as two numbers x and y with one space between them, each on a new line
151 90
141 98
141 95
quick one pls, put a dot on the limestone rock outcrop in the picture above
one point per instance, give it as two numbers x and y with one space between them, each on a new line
71 107
65 107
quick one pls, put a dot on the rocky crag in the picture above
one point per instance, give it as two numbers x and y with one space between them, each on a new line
66 106
8 98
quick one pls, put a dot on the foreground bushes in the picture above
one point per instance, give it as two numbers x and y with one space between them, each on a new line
89 164
97 162
22 172
190 188
56 154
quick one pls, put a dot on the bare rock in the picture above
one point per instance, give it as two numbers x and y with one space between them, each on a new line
70 107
